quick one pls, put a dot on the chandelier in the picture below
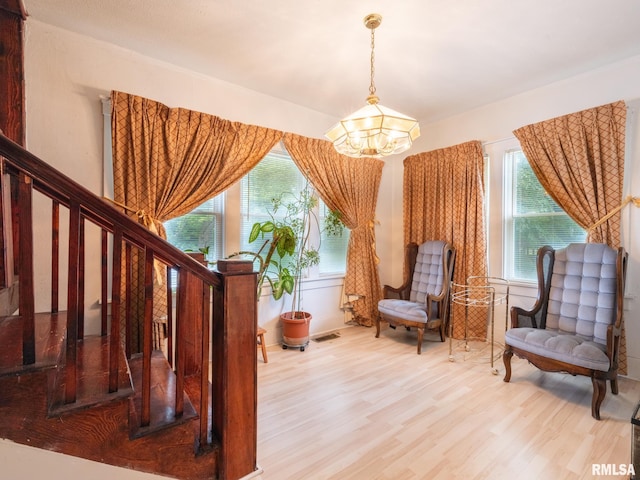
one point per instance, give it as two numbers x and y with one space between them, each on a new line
374 130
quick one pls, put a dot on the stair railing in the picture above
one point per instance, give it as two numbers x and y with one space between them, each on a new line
211 307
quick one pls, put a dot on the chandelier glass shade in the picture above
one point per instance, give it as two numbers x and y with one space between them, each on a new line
374 130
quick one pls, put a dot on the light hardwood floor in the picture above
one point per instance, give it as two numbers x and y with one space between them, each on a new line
360 407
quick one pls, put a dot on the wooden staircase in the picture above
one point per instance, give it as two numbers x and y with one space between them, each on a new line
187 411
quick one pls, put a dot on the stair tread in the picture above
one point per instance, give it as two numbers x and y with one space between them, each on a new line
163 395
92 385
49 332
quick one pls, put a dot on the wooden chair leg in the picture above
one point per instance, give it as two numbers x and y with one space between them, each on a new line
614 384
506 358
420 335
599 391
377 327
261 344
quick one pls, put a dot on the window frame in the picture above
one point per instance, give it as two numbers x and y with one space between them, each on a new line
510 216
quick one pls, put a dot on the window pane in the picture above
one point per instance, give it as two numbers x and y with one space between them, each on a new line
200 228
530 197
333 248
275 174
533 232
536 220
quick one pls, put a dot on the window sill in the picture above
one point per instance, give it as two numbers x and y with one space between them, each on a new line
316 283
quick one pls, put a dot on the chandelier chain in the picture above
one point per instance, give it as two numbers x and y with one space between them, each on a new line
372 85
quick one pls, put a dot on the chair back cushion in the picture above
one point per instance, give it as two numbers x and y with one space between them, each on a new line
428 276
582 295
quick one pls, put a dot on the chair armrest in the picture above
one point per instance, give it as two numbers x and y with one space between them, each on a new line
392 292
613 345
437 298
614 331
524 318
536 317
441 300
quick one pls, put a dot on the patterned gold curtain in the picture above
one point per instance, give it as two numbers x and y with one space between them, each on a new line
444 200
167 161
579 160
351 187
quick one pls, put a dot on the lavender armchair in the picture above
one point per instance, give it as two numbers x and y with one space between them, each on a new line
423 300
576 322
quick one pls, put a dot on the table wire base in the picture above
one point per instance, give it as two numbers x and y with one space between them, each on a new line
476 341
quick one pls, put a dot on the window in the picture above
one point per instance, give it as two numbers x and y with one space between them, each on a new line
201 228
532 219
333 248
275 174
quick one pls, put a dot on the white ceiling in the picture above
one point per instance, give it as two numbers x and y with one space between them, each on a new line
434 58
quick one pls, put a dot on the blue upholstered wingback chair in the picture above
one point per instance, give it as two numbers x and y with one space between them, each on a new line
423 299
576 322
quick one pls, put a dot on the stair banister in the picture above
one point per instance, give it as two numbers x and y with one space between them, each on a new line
224 316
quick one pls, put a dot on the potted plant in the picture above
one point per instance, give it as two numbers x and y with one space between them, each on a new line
285 252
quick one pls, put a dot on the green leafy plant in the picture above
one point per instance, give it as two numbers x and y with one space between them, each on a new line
203 250
200 255
284 251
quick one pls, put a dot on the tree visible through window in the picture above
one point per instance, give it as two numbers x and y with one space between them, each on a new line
533 219
274 175
199 229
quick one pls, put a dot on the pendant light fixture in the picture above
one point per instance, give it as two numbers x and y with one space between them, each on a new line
374 130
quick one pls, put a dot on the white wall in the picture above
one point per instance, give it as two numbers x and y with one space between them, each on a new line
66 74
494 125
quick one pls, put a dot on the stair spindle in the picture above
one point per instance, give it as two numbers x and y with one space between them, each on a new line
104 275
116 286
206 359
55 255
25 269
81 284
147 338
72 303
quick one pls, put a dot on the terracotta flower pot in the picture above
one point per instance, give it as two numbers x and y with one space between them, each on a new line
295 329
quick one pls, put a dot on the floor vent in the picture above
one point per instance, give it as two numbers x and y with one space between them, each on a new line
329 336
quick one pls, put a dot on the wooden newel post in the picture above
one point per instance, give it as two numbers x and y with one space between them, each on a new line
234 370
